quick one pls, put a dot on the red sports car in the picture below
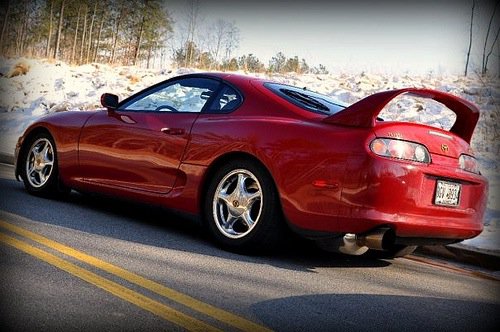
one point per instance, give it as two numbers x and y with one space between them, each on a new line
253 157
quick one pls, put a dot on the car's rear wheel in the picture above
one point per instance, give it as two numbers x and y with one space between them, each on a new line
242 208
39 168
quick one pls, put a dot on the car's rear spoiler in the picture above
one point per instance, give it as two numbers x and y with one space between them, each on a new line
364 112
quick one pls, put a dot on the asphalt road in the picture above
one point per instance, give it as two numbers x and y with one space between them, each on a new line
90 263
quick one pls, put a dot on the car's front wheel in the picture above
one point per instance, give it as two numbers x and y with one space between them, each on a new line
242 208
39 166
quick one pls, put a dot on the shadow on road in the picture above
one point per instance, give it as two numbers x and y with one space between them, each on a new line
154 226
367 312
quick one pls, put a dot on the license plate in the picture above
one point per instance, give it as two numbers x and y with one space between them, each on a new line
447 193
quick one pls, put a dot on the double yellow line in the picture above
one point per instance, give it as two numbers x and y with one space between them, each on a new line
155 307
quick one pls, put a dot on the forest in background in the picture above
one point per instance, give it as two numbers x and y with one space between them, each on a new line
128 32
142 33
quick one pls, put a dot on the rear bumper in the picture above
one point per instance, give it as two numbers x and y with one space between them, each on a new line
396 194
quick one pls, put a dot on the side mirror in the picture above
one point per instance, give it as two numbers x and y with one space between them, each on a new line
110 101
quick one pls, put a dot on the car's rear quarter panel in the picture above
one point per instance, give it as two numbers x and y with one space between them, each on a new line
296 152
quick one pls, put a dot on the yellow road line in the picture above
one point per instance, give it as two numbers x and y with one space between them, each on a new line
205 308
157 308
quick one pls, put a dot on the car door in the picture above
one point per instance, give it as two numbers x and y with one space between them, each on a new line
140 145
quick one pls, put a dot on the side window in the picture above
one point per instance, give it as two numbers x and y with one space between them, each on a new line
227 100
306 99
184 95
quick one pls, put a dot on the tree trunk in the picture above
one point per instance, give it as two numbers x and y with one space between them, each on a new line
72 58
20 31
24 34
98 38
138 44
90 33
4 27
483 63
115 36
193 9
49 37
485 69
149 55
38 51
83 34
470 37
59 30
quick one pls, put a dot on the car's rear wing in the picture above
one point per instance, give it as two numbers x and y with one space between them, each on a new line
364 112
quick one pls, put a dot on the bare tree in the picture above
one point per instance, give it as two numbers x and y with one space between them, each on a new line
99 34
49 37
82 47
89 45
59 30
233 40
219 31
224 38
5 20
483 64
139 40
22 26
470 37
118 20
193 10
485 68
72 58
23 20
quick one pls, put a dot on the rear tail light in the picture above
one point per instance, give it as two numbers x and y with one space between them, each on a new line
468 163
398 149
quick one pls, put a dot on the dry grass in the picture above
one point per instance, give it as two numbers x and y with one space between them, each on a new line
21 68
133 78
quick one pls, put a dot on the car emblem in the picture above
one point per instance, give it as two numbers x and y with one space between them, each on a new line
444 148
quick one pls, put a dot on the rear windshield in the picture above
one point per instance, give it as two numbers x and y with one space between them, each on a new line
306 99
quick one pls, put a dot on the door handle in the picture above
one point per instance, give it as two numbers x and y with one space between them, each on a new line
173 131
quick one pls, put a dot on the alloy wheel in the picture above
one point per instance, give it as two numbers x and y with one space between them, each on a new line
40 162
237 203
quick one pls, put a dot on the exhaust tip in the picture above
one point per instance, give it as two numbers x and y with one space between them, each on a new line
379 239
358 244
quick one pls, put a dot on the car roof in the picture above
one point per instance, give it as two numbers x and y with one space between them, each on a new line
230 77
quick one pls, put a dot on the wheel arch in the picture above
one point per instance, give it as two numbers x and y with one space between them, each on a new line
223 159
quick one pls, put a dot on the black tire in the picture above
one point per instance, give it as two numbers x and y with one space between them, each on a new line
257 202
39 167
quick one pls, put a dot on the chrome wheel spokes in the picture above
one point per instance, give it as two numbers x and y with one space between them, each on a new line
40 162
237 203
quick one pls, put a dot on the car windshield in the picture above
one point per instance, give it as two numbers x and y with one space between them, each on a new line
306 99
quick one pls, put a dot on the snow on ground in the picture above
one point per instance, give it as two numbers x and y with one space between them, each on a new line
51 86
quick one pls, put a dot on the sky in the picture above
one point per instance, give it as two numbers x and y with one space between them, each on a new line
400 36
